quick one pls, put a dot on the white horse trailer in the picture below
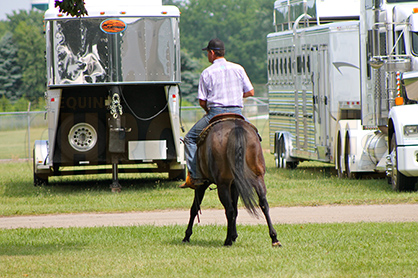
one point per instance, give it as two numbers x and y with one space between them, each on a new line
112 91
342 86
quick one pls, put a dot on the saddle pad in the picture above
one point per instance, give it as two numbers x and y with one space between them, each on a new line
221 118
226 115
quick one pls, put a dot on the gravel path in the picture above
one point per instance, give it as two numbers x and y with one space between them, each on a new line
279 215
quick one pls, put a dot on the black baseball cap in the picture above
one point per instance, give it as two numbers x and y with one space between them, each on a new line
215 44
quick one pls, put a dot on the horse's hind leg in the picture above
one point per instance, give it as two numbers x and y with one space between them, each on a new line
264 205
234 197
230 212
199 194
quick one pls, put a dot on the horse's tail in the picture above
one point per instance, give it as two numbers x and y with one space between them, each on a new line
243 176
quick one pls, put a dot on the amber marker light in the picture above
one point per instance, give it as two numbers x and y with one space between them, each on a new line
399 101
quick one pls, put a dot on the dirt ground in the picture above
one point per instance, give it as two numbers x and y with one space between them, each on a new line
279 215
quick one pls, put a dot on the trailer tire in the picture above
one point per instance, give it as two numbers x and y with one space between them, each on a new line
277 154
70 142
350 174
280 155
399 181
340 158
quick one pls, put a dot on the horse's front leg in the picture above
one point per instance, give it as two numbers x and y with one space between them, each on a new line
199 193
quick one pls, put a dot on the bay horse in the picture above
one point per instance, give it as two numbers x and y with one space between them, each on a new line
229 155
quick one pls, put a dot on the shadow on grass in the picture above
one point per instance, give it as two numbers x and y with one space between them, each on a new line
35 249
72 184
104 184
307 171
197 242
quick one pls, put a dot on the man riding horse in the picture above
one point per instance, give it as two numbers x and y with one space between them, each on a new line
222 87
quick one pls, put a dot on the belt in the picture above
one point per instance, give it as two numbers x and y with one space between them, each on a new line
225 107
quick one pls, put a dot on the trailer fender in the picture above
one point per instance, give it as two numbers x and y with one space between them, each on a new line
41 157
41 165
399 117
407 145
283 149
355 153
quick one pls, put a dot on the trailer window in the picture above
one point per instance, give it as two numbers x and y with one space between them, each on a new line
82 53
285 66
304 64
401 44
415 43
299 64
281 66
382 44
276 66
400 1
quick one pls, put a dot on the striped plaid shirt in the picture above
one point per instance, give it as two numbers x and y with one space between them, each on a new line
223 84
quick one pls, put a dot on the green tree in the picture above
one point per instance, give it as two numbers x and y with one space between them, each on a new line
3 28
10 70
28 35
32 59
21 104
5 104
190 73
242 24
71 7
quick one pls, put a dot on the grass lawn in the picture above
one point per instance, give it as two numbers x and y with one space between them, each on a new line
307 186
309 250
312 250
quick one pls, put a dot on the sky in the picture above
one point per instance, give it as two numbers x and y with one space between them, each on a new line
7 6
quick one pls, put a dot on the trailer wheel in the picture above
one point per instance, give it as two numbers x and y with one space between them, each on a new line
280 156
78 134
340 158
400 182
347 160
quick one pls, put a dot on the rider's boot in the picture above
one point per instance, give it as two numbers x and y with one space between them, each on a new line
191 182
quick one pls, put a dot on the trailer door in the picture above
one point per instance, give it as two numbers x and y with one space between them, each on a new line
320 97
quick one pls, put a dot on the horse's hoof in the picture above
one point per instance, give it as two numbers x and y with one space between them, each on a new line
228 243
277 244
185 240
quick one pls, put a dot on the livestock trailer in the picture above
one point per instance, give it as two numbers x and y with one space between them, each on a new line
112 91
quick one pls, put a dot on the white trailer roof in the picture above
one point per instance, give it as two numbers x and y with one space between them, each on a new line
317 8
118 8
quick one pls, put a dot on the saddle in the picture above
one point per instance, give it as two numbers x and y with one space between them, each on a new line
221 118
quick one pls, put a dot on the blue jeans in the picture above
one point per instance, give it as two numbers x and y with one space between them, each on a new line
190 140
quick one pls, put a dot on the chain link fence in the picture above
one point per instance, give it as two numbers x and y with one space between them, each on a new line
19 130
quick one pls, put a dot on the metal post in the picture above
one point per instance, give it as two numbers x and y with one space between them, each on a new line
115 186
29 131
